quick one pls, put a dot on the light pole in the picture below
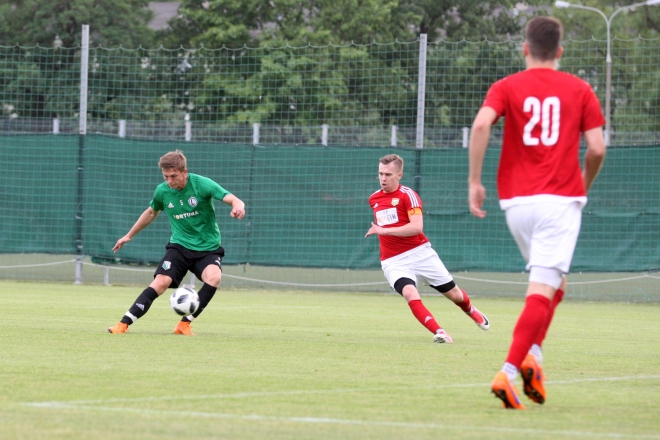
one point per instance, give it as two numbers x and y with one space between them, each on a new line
608 58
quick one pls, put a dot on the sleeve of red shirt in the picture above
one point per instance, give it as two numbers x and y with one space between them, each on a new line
408 205
496 98
592 115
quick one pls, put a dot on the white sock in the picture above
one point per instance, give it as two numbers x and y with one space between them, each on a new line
510 370
537 352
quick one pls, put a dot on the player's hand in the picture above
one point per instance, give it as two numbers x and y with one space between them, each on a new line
237 212
121 242
476 197
373 230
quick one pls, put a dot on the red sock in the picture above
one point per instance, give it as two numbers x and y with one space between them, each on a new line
465 305
532 319
423 315
559 294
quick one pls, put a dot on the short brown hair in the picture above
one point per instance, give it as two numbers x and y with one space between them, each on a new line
398 161
173 159
543 36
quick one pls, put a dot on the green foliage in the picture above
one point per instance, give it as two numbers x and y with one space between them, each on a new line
635 98
37 82
112 22
305 63
43 81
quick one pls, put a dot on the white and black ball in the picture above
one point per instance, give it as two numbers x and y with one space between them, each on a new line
184 301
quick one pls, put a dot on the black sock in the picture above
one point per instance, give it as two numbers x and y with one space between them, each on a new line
205 295
141 306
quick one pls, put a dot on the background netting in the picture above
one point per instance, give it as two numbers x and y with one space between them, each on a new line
297 133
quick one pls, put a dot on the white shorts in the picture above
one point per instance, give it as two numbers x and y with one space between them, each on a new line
422 262
546 233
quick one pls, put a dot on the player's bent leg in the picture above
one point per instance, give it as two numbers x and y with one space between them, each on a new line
408 293
408 289
556 299
211 276
139 308
462 300
529 324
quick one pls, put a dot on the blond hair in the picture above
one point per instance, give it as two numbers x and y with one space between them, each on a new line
173 159
393 158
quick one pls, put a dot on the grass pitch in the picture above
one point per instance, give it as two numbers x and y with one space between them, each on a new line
306 365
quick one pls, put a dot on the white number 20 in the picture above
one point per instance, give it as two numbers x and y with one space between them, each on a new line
548 114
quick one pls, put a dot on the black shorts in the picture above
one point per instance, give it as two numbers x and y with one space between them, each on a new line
178 260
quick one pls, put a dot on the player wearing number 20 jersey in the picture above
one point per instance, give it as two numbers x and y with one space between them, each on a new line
544 111
542 187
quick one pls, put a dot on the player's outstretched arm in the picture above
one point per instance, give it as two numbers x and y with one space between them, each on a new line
237 206
148 216
594 157
479 137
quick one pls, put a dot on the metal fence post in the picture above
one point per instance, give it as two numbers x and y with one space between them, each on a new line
82 132
255 133
324 134
421 98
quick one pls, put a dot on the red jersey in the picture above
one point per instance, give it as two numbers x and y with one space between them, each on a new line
392 210
545 111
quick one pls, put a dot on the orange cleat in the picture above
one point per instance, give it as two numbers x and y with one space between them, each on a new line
533 377
119 328
506 391
183 328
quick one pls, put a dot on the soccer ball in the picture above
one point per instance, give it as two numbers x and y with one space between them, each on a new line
184 301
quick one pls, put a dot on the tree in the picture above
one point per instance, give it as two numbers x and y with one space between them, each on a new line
635 97
46 34
472 20
112 22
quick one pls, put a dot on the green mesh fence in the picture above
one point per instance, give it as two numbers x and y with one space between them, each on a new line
359 92
39 196
307 206
297 133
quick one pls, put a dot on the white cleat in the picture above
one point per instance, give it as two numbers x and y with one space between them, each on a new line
441 337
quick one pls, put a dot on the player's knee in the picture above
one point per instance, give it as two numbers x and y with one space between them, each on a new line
403 282
212 275
444 288
546 275
161 283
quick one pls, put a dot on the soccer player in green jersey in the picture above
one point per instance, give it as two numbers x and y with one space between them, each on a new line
195 242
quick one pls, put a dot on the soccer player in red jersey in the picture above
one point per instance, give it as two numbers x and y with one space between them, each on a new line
406 253
541 186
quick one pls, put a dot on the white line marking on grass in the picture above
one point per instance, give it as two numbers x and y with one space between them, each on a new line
309 392
601 379
326 420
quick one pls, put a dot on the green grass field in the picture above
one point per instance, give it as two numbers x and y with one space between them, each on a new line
307 365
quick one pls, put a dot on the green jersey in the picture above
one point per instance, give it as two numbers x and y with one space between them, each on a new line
191 212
